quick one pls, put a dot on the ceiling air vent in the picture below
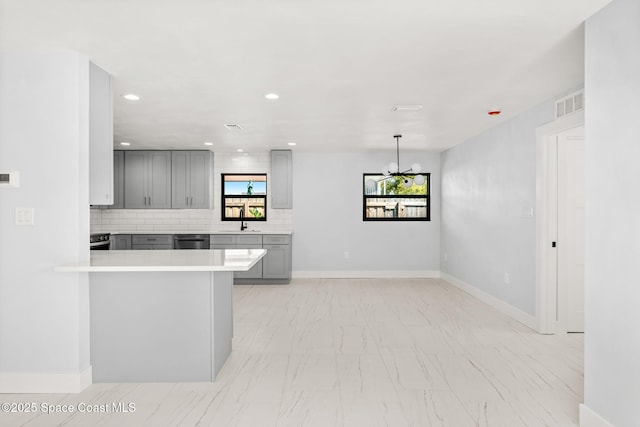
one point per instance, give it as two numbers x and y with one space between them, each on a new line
233 126
406 108
570 104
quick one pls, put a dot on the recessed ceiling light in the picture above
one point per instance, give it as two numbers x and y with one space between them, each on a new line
208 143
272 96
291 143
239 150
125 143
131 97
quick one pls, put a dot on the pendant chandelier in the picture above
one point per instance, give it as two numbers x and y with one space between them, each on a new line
392 170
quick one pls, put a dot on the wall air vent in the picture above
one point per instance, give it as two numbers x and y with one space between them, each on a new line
233 126
570 104
406 108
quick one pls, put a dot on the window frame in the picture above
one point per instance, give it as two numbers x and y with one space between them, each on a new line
224 197
426 197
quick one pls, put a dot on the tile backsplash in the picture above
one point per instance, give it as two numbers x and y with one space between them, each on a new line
114 220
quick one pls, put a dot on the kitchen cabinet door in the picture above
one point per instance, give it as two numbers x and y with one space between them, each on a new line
147 179
201 177
276 264
135 186
192 179
254 272
118 180
180 179
159 179
281 185
100 137
121 242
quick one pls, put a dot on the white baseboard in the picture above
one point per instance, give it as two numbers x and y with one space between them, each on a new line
373 274
588 418
45 383
506 308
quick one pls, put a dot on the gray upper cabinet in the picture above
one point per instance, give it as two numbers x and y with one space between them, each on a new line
281 181
100 137
147 179
192 179
118 180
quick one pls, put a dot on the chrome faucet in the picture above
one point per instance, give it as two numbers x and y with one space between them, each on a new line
243 225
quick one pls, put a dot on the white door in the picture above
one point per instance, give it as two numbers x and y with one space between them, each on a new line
571 196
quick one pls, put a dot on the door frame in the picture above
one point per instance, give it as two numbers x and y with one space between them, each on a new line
547 221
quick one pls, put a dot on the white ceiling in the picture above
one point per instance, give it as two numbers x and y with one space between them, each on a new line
338 66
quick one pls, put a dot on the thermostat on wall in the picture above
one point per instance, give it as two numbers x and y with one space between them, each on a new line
9 179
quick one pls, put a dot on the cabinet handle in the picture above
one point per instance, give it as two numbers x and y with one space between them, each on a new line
145 200
191 200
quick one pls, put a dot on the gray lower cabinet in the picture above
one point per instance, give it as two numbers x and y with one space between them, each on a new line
276 264
192 179
147 179
249 242
121 242
232 241
275 267
152 241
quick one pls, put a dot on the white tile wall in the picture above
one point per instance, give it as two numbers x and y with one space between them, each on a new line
113 220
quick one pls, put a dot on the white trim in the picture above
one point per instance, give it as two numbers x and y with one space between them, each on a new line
373 274
546 312
588 418
45 383
506 308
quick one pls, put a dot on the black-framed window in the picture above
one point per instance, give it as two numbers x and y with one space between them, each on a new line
396 198
244 196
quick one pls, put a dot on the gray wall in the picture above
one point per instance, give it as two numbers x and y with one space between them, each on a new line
44 316
488 190
612 86
328 217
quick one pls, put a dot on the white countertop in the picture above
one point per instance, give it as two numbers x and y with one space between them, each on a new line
168 260
200 232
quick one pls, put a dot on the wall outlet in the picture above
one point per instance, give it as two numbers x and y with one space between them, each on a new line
506 278
346 255
527 213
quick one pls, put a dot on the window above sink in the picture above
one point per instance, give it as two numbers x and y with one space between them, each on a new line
244 197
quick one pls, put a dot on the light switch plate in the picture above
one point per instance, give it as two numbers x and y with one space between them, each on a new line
25 216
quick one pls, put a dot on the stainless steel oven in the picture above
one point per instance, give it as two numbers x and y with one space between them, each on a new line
100 241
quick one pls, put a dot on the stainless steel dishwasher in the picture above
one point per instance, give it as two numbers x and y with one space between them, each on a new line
191 241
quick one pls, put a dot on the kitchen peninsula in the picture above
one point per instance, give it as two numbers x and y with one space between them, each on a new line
161 316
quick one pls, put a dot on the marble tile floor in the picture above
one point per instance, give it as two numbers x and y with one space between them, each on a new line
364 352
